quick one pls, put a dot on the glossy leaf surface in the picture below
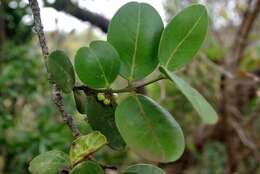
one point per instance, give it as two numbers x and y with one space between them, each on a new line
135 32
102 118
61 70
97 65
87 167
50 162
205 110
183 37
149 129
144 169
85 145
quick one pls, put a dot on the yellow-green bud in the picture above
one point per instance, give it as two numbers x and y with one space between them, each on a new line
106 101
101 96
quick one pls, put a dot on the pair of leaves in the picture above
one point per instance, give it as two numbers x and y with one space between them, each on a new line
97 66
52 162
149 129
135 32
143 169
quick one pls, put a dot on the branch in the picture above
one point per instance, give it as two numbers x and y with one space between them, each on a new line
241 38
82 14
56 94
135 87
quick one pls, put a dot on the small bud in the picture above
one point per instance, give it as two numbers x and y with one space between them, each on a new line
101 96
106 101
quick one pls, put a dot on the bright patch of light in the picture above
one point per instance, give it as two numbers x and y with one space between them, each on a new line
53 20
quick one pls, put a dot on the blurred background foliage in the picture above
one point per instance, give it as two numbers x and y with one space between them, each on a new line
30 123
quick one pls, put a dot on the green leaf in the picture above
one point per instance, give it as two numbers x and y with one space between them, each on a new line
135 32
80 101
61 70
97 65
149 129
85 145
205 110
183 37
144 169
50 162
102 118
87 167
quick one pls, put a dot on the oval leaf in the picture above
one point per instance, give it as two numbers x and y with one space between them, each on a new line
102 118
205 110
61 70
87 167
144 169
97 65
80 101
135 32
49 162
183 37
149 129
85 145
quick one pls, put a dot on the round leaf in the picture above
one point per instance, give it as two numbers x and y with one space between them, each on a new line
135 32
85 145
144 169
205 110
61 70
49 162
149 129
183 37
102 118
87 167
97 65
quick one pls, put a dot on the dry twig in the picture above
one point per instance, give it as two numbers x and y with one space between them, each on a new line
56 94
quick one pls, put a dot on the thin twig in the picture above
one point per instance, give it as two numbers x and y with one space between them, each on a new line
88 90
241 38
227 73
56 94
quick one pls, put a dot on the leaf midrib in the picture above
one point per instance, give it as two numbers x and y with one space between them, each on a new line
183 40
148 123
100 66
136 44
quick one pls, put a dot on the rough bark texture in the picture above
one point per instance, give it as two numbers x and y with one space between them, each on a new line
57 97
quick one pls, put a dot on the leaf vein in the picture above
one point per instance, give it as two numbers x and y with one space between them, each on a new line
183 40
136 44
